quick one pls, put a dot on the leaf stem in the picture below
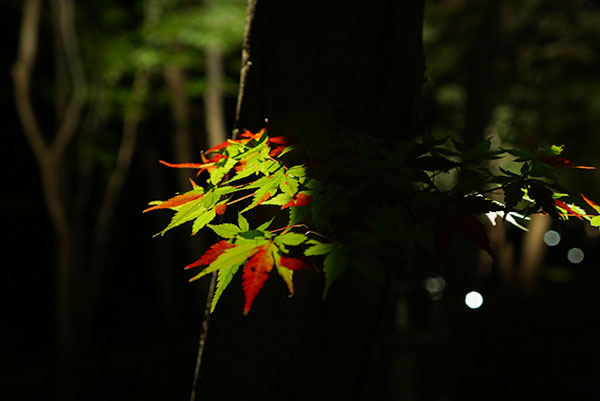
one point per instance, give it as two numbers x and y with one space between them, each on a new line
241 199
289 227
320 235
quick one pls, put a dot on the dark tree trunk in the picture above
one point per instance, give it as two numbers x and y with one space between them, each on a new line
316 68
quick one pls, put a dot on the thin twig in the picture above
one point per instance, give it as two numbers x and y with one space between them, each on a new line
213 279
203 334
241 199
246 63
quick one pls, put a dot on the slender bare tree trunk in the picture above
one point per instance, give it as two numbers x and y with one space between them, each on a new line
132 119
180 109
50 155
133 116
213 99
534 249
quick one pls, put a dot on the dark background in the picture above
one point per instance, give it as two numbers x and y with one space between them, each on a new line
501 69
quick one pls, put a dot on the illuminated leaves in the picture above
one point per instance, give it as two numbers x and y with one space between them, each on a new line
370 225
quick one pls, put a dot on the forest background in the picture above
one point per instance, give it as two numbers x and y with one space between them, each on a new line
153 77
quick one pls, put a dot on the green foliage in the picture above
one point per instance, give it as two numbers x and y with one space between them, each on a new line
387 206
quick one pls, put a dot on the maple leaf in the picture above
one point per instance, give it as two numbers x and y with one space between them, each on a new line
200 166
181 165
513 194
335 263
211 254
293 263
279 140
277 150
458 215
232 255
255 274
177 200
264 198
557 161
543 198
592 204
250 135
222 145
301 199
224 277
284 272
479 205
435 163
221 208
566 207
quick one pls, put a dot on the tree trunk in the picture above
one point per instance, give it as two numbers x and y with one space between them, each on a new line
313 68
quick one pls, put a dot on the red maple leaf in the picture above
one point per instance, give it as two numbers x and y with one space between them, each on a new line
211 254
293 263
240 166
300 200
181 165
279 140
201 166
220 146
570 211
176 201
591 203
250 135
220 209
255 274
557 161
276 150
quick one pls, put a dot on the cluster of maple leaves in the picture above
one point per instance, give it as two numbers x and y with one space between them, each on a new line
251 170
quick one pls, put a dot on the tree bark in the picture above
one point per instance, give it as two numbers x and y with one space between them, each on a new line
313 68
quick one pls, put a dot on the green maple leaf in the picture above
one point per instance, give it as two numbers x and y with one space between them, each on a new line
232 257
202 220
243 223
291 239
278 200
225 230
335 264
187 212
224 277
286 274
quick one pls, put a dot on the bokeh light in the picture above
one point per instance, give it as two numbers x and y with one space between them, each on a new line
575 255
474 300
551 238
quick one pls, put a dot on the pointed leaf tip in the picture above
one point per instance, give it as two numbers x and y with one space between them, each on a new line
255 274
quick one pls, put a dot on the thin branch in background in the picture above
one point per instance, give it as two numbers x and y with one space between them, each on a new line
133 116
246 63
215 127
